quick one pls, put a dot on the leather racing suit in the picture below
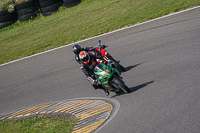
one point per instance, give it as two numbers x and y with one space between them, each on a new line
88 69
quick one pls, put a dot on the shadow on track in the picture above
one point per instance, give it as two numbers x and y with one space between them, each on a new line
131 67
133 89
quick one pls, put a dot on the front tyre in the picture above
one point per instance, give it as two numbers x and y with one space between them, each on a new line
119 84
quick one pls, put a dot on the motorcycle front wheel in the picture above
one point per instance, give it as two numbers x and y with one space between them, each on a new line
119 84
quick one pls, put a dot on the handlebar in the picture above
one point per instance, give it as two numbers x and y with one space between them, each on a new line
101 46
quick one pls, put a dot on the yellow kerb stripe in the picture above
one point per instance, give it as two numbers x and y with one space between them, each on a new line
89 128
95 111
83 104
30 110
75 105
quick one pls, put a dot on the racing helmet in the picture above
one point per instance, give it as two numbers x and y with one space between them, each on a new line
76 49
84 57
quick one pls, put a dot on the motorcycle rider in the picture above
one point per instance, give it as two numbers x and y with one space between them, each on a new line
88 63
98 49
77 49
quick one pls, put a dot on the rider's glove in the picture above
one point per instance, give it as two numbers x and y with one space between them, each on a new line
110 61
85 48
103 46
95 82
107 59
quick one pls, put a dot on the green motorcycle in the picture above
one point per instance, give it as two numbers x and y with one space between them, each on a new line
110 79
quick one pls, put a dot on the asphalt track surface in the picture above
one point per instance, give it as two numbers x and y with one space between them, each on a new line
162 59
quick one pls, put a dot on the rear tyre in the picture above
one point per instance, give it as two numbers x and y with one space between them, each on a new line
3 12
47 3
27 16
51 9
118 83
27 10
119 67
70 3
25 5
5 24
7 17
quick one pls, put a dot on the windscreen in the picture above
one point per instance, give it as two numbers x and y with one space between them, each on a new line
98 67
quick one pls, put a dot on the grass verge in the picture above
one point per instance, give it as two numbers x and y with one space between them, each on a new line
37 125
90 18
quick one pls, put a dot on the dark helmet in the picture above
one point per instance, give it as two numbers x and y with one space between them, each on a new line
84 57
76 49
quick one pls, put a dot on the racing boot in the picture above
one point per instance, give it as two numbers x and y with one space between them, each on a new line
106 92
96 86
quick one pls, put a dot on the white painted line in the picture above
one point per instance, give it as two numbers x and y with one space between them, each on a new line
88 107
101 35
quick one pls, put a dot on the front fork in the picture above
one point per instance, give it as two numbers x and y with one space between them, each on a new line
107 84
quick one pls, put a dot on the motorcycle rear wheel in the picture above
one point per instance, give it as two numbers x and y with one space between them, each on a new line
119 67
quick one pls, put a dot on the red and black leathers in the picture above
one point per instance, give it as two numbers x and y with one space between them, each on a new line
103 52
88 69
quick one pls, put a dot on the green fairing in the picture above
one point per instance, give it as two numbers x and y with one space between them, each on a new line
104 73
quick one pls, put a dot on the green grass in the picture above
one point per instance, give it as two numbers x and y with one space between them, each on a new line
90 18
7 4
37 125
